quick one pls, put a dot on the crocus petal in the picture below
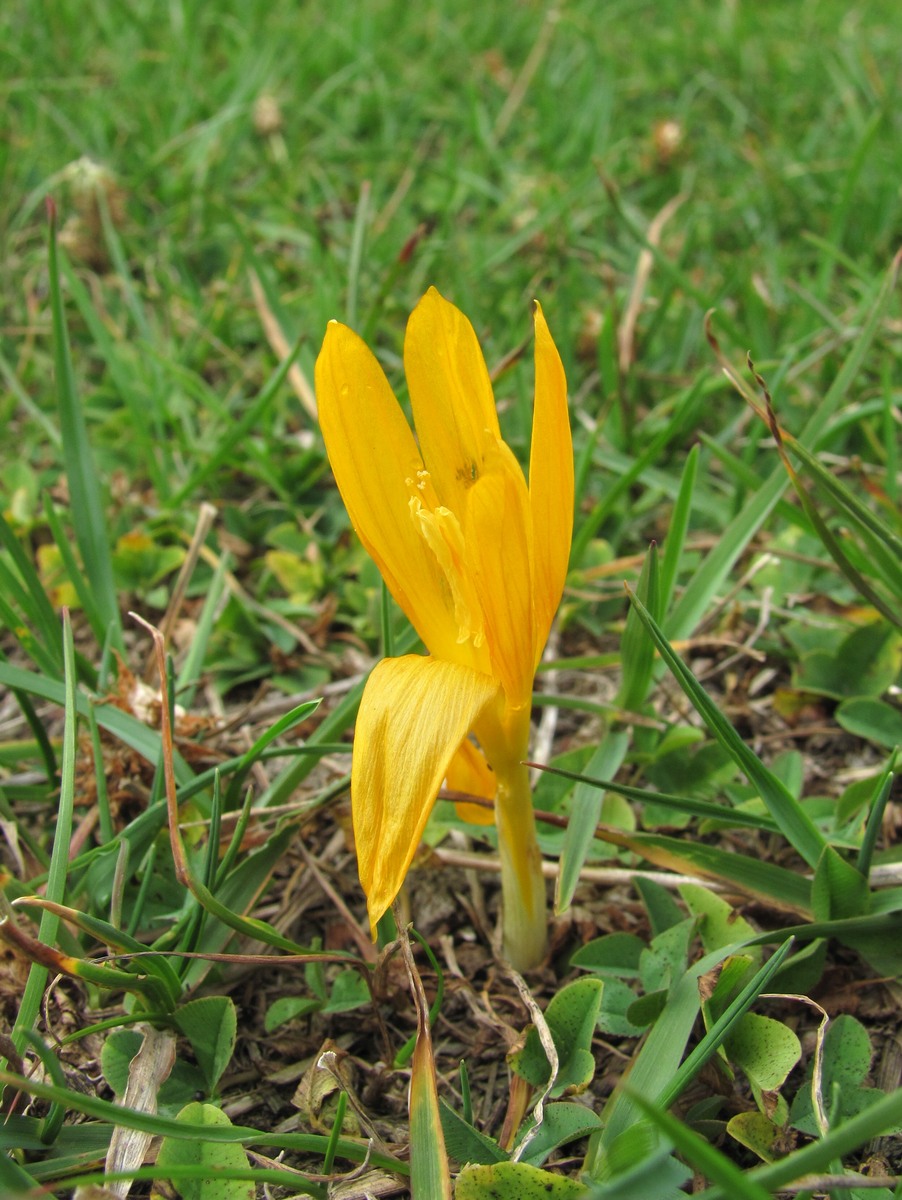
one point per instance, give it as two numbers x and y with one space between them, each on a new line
470 772
414 714
451 396
373 456
499 536
550 481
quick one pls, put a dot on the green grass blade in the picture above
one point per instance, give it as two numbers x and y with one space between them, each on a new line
713 571
430 1176
121 724
59 859
656 1072
625 476
786 811
160 1126
787 890
33 600
253 416
849 504
77 575
637 653
883 1114
721 1028
84 488
675 540
876 810
23 634
700 1154
842 560
844 207
192 666
684 804
584 816
358 239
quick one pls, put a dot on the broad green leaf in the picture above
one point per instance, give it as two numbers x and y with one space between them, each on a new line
839 890
562 1122
664 962
660 904
884 1116
865 664
349 991
215 1156
286 1008
616 1001
846 1062
465 1143
571 1016
658 1070
614 956
872 719
639 1162
764 1049
513 1181
182 1086
210 1024
803 970
757 1133
719 924
646 1010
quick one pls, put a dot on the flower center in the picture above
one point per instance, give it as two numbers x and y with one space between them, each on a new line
440 529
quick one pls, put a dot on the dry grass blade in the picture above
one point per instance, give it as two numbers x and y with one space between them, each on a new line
147 1072
179 858
430 1176
282 349
626 334
205 519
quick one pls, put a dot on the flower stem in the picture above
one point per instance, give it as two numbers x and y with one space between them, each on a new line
522 883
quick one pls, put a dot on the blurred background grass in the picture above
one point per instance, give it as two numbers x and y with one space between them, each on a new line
353 154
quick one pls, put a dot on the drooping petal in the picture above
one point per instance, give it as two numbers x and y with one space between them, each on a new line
451 396
550 481
470 772
414 714
373 456
498 533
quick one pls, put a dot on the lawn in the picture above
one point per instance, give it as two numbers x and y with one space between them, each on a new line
705 200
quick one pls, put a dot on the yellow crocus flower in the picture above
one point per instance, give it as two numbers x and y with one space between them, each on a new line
476 558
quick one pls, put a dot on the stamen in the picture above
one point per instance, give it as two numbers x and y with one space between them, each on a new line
441 531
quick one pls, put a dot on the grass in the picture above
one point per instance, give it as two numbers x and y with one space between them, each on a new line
221 170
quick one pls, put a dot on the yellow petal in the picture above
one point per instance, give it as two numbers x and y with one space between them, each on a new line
373 456
414 714
470 772
550 481
451 396
498 536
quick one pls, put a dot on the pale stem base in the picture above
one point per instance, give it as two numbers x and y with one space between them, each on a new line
524 907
